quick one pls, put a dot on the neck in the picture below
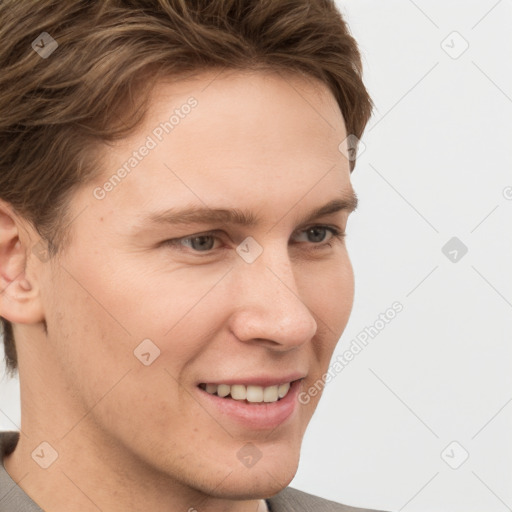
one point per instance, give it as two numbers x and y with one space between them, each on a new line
84 482
90 475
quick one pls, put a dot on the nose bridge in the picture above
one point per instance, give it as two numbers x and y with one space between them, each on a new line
270 306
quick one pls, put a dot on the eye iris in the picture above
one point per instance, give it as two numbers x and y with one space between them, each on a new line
315 231
202 245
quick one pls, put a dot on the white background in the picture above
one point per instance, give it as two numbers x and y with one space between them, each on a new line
436 164
437 159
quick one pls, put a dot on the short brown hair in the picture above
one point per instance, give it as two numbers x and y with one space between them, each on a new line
55 110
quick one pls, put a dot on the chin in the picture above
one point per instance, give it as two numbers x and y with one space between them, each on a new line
271 474
252 487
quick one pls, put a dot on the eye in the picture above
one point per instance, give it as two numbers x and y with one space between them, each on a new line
199 243
316 235
203 243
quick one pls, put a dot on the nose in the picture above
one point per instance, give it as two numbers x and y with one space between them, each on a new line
269 309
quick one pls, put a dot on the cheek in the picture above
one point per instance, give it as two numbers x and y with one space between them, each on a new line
92 317
93 335
180 312
89 340
330 294
330 297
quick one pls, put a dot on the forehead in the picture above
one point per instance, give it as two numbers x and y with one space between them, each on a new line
233 105
229 139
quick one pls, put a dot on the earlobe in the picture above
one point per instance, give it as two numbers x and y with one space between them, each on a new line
19 294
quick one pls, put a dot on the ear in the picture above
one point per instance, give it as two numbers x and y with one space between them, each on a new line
20 300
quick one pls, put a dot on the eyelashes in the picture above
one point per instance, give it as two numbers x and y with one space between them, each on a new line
186 244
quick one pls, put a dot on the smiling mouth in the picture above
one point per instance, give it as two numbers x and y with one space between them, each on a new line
248 393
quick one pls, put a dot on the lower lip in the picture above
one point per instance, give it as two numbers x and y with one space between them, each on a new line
254 415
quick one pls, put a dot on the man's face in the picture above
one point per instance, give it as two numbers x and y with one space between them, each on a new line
138 326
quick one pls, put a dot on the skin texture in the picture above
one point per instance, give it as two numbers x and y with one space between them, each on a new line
136 437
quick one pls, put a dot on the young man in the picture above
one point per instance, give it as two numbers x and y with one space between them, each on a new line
174 190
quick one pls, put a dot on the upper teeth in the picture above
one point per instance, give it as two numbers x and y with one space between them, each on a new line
249 393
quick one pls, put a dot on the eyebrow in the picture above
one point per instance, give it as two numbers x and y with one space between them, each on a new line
234 216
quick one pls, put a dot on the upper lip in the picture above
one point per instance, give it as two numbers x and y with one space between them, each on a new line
257 380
